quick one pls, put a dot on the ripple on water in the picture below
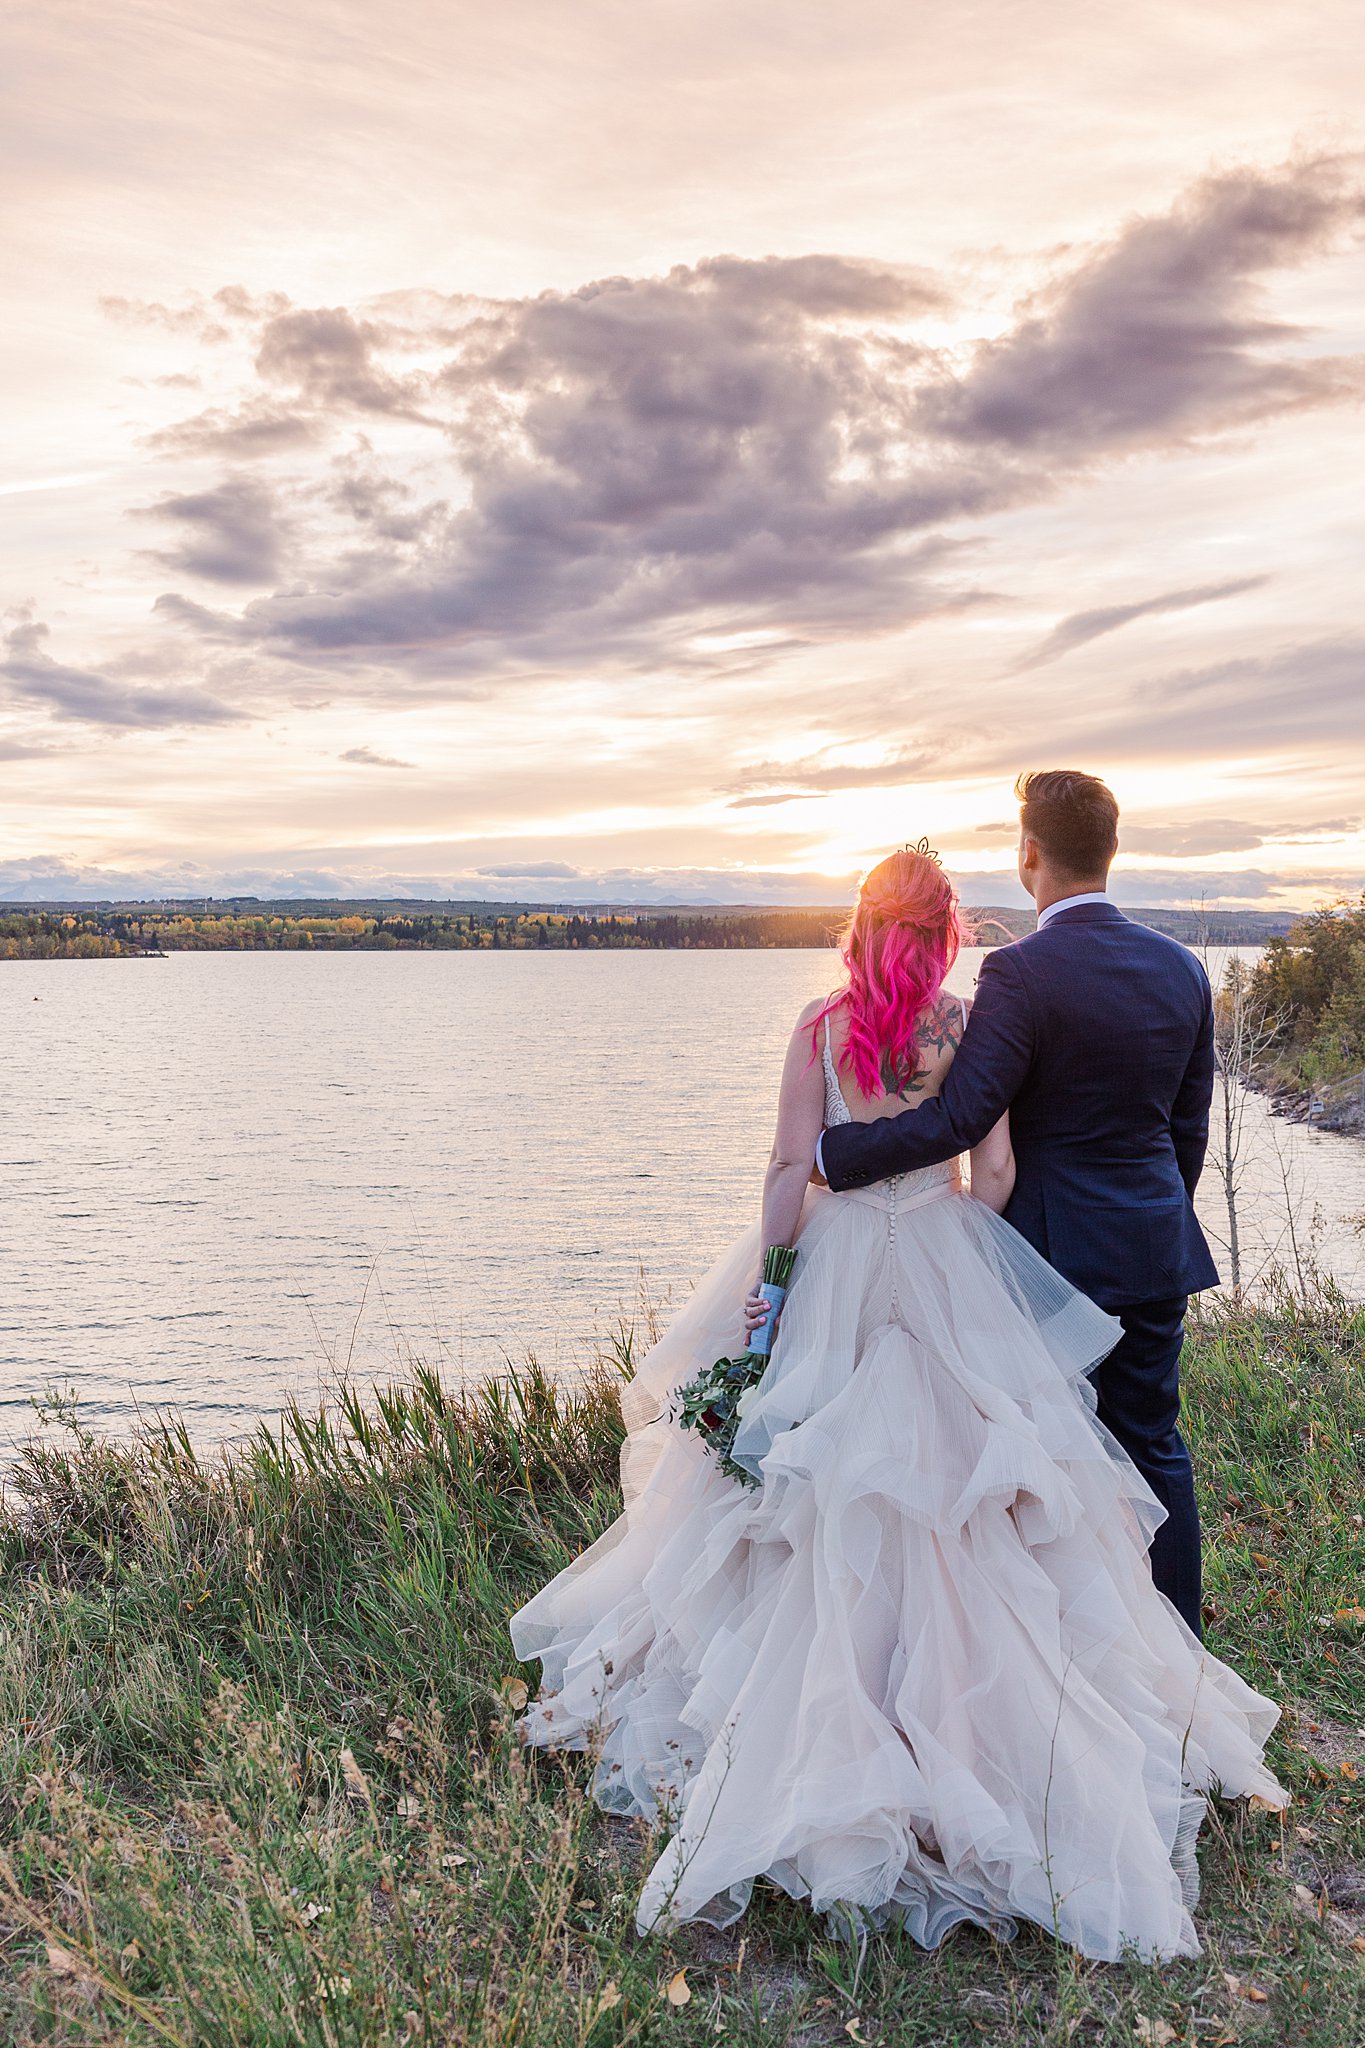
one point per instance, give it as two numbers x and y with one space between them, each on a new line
233 1167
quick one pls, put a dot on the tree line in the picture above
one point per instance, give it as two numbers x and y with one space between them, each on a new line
103 933
1309 989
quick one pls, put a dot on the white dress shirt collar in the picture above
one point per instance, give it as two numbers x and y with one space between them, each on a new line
1071 902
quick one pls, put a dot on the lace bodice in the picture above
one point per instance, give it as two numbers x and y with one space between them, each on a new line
899 1188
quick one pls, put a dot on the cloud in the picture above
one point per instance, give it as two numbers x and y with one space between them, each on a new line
746 444
1195 838
366 757
330 359
1080 627
1198 838
780 796
818 777
80 693
556 870
1161 336
233 534
1293 699
259 428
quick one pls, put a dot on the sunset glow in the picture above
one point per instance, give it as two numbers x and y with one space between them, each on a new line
599 454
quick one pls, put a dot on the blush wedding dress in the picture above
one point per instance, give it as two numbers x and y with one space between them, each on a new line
921 1674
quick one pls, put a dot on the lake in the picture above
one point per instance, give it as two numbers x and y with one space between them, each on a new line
225 1175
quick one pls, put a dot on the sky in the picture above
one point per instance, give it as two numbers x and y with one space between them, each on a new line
676 452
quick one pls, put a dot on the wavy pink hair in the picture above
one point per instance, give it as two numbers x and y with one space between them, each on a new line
903 936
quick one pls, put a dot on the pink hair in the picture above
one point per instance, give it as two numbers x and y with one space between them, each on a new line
903 936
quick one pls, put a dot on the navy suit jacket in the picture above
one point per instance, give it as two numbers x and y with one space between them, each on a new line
1096 1034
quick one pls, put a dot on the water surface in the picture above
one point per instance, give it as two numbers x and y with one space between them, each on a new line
222 1171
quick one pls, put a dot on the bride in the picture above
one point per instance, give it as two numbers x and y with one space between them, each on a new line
919 1674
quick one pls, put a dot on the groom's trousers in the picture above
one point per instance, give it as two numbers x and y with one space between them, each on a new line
1138 1386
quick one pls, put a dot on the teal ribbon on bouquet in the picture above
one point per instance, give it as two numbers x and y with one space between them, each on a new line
711 1404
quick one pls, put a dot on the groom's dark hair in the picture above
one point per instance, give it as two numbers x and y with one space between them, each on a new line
1073 817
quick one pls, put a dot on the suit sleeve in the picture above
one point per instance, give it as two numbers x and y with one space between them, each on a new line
984 1078
1190 1110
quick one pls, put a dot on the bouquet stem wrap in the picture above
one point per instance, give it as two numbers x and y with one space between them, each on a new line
761 1339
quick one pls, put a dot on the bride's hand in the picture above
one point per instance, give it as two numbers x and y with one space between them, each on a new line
756 1310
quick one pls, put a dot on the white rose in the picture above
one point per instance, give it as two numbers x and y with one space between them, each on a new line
742 1404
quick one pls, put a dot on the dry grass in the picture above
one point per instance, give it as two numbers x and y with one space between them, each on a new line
257 1783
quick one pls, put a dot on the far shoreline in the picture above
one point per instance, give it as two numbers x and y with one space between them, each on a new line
153 931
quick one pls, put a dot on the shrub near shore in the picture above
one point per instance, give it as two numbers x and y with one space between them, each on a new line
258 1782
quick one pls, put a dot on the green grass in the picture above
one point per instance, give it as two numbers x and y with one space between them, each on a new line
258 1783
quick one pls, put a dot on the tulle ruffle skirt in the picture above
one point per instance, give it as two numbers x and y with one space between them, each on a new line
922 1671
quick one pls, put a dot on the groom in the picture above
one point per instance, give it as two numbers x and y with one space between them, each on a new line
1096 1034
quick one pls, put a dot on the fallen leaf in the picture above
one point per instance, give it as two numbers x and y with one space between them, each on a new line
1358 1944
854 2028
409 1806
1307 1901
1259 1805
608 1998
1306 1834
61 1962
1348 1770
1259 1557
311 1912
454 1861
1154 2033
514 1692
679 1990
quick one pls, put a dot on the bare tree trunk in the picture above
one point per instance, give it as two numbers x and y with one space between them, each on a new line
1243 1033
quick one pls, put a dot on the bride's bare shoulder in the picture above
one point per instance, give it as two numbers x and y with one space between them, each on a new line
811 1011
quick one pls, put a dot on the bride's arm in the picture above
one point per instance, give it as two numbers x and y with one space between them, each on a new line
993 1167
800 1120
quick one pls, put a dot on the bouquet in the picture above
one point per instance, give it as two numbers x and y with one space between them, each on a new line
714 1402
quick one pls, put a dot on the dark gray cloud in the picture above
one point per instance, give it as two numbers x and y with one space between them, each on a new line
750 443
366 757
1162 335
1082 626
644 451
330 359
232 534
80 693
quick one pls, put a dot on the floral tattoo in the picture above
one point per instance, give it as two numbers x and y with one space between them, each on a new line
937 1030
